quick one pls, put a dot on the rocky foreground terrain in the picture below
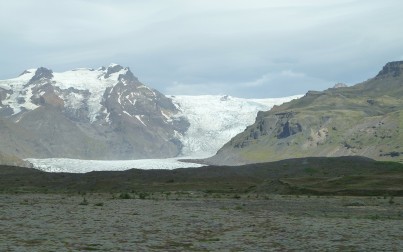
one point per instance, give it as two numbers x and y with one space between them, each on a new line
292 205
199 222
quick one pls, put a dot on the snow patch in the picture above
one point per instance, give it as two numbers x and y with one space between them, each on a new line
139 118
73 100
166 116
107 118
120 99
124 111
91 80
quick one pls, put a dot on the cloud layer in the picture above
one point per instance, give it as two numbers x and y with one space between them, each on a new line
252 48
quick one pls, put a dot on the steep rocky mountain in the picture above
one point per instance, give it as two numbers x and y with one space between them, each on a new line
85 113
365 119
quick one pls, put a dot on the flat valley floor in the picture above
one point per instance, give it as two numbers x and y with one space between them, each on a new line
199 222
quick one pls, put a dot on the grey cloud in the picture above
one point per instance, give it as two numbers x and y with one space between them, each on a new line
243 48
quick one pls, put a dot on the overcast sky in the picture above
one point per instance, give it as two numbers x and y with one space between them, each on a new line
244 48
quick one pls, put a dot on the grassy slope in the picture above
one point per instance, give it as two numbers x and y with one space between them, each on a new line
363 120
346 175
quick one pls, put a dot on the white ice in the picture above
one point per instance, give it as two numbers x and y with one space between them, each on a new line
215 119
83 166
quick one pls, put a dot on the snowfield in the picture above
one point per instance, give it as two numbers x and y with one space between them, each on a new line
213 119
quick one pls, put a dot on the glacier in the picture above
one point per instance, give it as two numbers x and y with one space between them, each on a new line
214 120
82 166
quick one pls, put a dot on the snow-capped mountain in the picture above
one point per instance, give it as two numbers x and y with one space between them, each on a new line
84 93
108 113
85 113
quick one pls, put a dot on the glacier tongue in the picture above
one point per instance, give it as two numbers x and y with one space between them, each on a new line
215 119
83 166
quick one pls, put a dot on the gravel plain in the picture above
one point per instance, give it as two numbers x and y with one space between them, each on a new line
199 222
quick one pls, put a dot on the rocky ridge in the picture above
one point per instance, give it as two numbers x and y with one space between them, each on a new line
364 120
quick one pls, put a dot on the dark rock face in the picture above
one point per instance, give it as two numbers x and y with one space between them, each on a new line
5 109
393 69
128 76
112 70
4 93
41 73
280 126
289 129
50 95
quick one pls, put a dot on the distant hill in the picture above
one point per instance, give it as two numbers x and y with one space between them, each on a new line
364 120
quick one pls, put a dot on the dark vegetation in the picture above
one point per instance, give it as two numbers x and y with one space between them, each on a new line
316 176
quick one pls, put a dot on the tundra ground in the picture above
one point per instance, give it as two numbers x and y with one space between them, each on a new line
199 221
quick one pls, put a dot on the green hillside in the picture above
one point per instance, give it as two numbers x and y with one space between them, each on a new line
362 120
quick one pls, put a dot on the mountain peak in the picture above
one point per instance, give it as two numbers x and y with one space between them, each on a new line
116 68
394 69
128 75
41 73
112 68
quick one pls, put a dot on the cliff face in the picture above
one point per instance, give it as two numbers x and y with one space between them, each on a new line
391 69
365 120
